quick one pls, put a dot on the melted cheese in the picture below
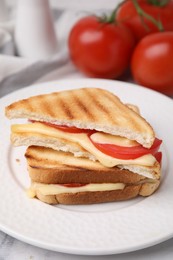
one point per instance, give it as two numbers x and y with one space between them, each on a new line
55 189
83 140
104 138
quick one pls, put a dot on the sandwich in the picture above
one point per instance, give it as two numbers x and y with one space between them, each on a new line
86 146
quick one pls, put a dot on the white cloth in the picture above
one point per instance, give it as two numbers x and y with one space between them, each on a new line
17 72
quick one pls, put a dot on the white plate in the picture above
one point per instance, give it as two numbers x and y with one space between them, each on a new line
96 229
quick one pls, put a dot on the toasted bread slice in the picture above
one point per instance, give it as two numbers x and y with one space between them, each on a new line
88 108
58 144
49 166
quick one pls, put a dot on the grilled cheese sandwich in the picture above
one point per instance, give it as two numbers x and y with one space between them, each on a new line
98 130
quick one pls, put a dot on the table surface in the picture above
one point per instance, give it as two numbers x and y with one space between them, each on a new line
11 248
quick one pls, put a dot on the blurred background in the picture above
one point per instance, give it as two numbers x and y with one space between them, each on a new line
26 45
34 37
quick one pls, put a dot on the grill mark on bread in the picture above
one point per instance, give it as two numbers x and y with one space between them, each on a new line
96 103
28 156
15 105
46 105
82 106
65 108
123 110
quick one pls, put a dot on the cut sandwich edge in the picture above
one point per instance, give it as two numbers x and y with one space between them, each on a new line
86 198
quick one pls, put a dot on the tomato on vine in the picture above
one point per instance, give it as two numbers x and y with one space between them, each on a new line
152 62
146 16
100 47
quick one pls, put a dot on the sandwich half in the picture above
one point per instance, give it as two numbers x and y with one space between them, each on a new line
88 125
58 177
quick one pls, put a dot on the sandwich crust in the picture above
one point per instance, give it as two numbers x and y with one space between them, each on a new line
63 174
88 108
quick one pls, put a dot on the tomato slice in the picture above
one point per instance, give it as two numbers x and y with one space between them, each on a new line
73 185
158 156
127 153
69 129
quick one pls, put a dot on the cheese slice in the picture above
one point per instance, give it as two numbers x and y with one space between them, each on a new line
104 138
55 189
83 140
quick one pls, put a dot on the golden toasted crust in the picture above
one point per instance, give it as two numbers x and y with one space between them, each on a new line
65 174
89 108
149 188
85 198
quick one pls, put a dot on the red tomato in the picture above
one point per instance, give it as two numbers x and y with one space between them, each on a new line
158 157
126 153
152 62
69 129
141 27
100 49
73 185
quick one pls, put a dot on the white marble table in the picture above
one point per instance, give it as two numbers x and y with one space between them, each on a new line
13 249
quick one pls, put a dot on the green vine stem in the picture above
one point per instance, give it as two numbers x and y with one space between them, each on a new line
158 2
111 18
143 14
105 18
